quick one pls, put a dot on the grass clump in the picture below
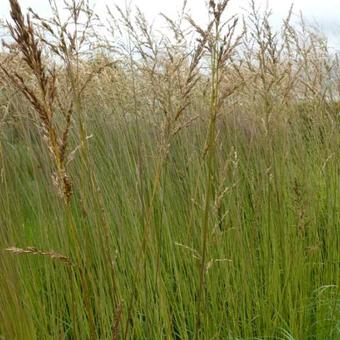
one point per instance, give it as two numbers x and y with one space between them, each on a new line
204 198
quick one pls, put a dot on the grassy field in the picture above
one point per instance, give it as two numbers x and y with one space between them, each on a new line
176 189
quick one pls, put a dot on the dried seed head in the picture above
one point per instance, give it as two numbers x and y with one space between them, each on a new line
35 251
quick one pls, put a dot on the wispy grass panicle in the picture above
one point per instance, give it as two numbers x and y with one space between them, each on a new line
42 97
34 251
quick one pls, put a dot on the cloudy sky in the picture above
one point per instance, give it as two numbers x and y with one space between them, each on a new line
324 12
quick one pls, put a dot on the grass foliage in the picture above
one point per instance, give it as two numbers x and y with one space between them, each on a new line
176 185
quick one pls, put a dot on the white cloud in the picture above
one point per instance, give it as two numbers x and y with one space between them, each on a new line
324 12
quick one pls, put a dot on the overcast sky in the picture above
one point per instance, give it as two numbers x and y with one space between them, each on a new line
324 12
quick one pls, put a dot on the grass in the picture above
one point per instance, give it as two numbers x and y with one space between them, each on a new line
199 204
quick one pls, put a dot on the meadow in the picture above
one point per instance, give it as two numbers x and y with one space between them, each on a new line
181 184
